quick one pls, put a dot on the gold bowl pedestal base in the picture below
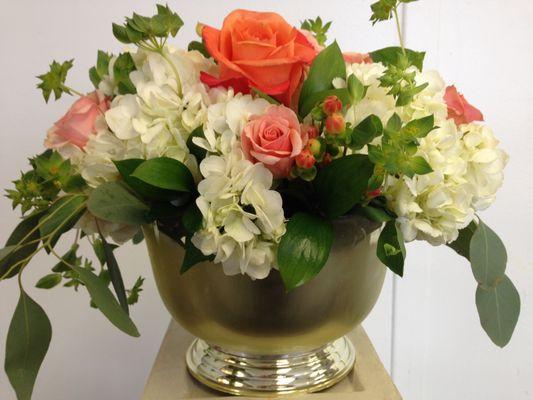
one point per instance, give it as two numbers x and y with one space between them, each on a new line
270 376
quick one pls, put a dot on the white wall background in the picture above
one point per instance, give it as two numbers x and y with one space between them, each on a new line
425 326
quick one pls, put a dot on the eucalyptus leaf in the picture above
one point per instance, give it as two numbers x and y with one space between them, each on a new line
462 244
27 343
488 256
112 202
499 308
114 274
106 302
304 249
342 184
27 235
60 218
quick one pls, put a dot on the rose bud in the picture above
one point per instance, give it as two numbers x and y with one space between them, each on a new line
327 159
310 130
314 146
332 105
305 159
335 124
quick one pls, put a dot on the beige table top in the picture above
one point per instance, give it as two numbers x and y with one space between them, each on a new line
169 379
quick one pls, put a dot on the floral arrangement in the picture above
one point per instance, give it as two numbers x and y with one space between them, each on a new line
243 149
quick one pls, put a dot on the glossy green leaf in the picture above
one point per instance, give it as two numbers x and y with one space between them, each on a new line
304 249
366 131
27 343
196 150
499 308
356 89
192 219
342 184
488 256
373 213
112 202
106 302
391 248
327 65
198 46
165 173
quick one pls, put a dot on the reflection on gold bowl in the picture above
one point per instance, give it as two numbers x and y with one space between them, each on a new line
254 337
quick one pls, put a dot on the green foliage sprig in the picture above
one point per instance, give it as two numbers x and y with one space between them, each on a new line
318 28
54 80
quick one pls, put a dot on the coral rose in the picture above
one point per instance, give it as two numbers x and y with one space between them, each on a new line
260 50
78 123
459 109
275 139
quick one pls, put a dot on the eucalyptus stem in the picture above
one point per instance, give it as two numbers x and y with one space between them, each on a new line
398 28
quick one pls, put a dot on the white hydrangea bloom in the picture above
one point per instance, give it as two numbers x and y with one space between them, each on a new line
226 117
434 206
242 218
485 163
429 101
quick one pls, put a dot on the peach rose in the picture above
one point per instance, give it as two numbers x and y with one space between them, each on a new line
357 58
275 139
261 50
78 123
459 109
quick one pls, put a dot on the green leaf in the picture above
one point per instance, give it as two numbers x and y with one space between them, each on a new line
317 28
25 234
192 256
165 173
417 165
342 184
70 257
106 302
367 130
488 256
133 293
462 244
144 190
391 248
382 10
49 281
419 128
356 89
27 343
265 96
198 46
112 202
54 80
60 218
392 55
122 68
327 65
120 34
304 249
498 307
373 213
114 274
192 219
138 237
195 150
313 99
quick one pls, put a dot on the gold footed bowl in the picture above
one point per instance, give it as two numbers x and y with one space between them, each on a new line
256 339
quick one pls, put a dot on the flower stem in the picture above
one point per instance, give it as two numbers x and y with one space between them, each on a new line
69 89
398 28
